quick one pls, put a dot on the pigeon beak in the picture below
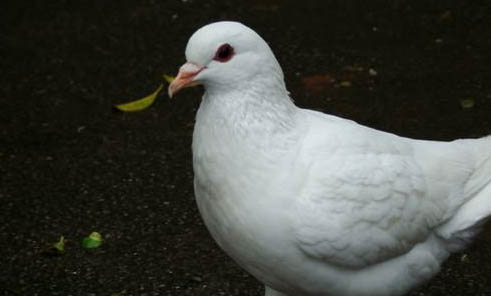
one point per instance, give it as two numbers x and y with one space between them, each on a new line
185 78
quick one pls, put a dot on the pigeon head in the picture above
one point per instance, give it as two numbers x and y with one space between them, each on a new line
226 55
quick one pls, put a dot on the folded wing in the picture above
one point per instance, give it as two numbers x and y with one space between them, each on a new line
370 196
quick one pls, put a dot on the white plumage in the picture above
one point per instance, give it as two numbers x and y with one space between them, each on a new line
313 204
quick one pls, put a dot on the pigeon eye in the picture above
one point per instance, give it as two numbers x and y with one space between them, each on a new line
224 53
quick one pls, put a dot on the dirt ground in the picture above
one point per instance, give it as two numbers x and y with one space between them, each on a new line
70 164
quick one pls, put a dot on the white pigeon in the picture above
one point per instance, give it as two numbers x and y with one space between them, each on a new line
313 204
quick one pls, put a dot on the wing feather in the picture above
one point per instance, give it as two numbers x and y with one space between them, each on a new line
365 199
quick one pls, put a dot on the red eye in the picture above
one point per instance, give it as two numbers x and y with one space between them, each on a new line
224 53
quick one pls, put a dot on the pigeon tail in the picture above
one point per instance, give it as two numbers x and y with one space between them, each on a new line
468 221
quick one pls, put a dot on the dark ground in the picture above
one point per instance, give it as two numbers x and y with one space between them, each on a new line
70 165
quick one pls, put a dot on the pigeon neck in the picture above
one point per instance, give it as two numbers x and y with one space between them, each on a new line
256 106
257 115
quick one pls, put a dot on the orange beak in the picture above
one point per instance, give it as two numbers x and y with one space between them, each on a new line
185 78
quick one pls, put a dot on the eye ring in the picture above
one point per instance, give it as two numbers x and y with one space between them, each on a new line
224 53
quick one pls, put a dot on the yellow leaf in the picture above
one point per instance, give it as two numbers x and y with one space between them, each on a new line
141 103
168 78
60 245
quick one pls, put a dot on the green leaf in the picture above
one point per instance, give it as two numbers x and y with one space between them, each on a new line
467 103
94 240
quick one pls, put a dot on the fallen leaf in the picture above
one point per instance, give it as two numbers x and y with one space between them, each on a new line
345 83
168 78
445 16
318 82
141 103
145 102
55 249
467 103
60 245
94 240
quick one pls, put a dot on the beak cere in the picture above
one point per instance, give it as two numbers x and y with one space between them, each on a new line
185 78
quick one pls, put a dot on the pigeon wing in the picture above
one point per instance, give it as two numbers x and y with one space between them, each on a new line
365 197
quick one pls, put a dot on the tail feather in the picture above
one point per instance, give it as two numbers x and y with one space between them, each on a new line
468 220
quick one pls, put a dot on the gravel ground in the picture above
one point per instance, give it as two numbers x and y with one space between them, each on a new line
70 164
